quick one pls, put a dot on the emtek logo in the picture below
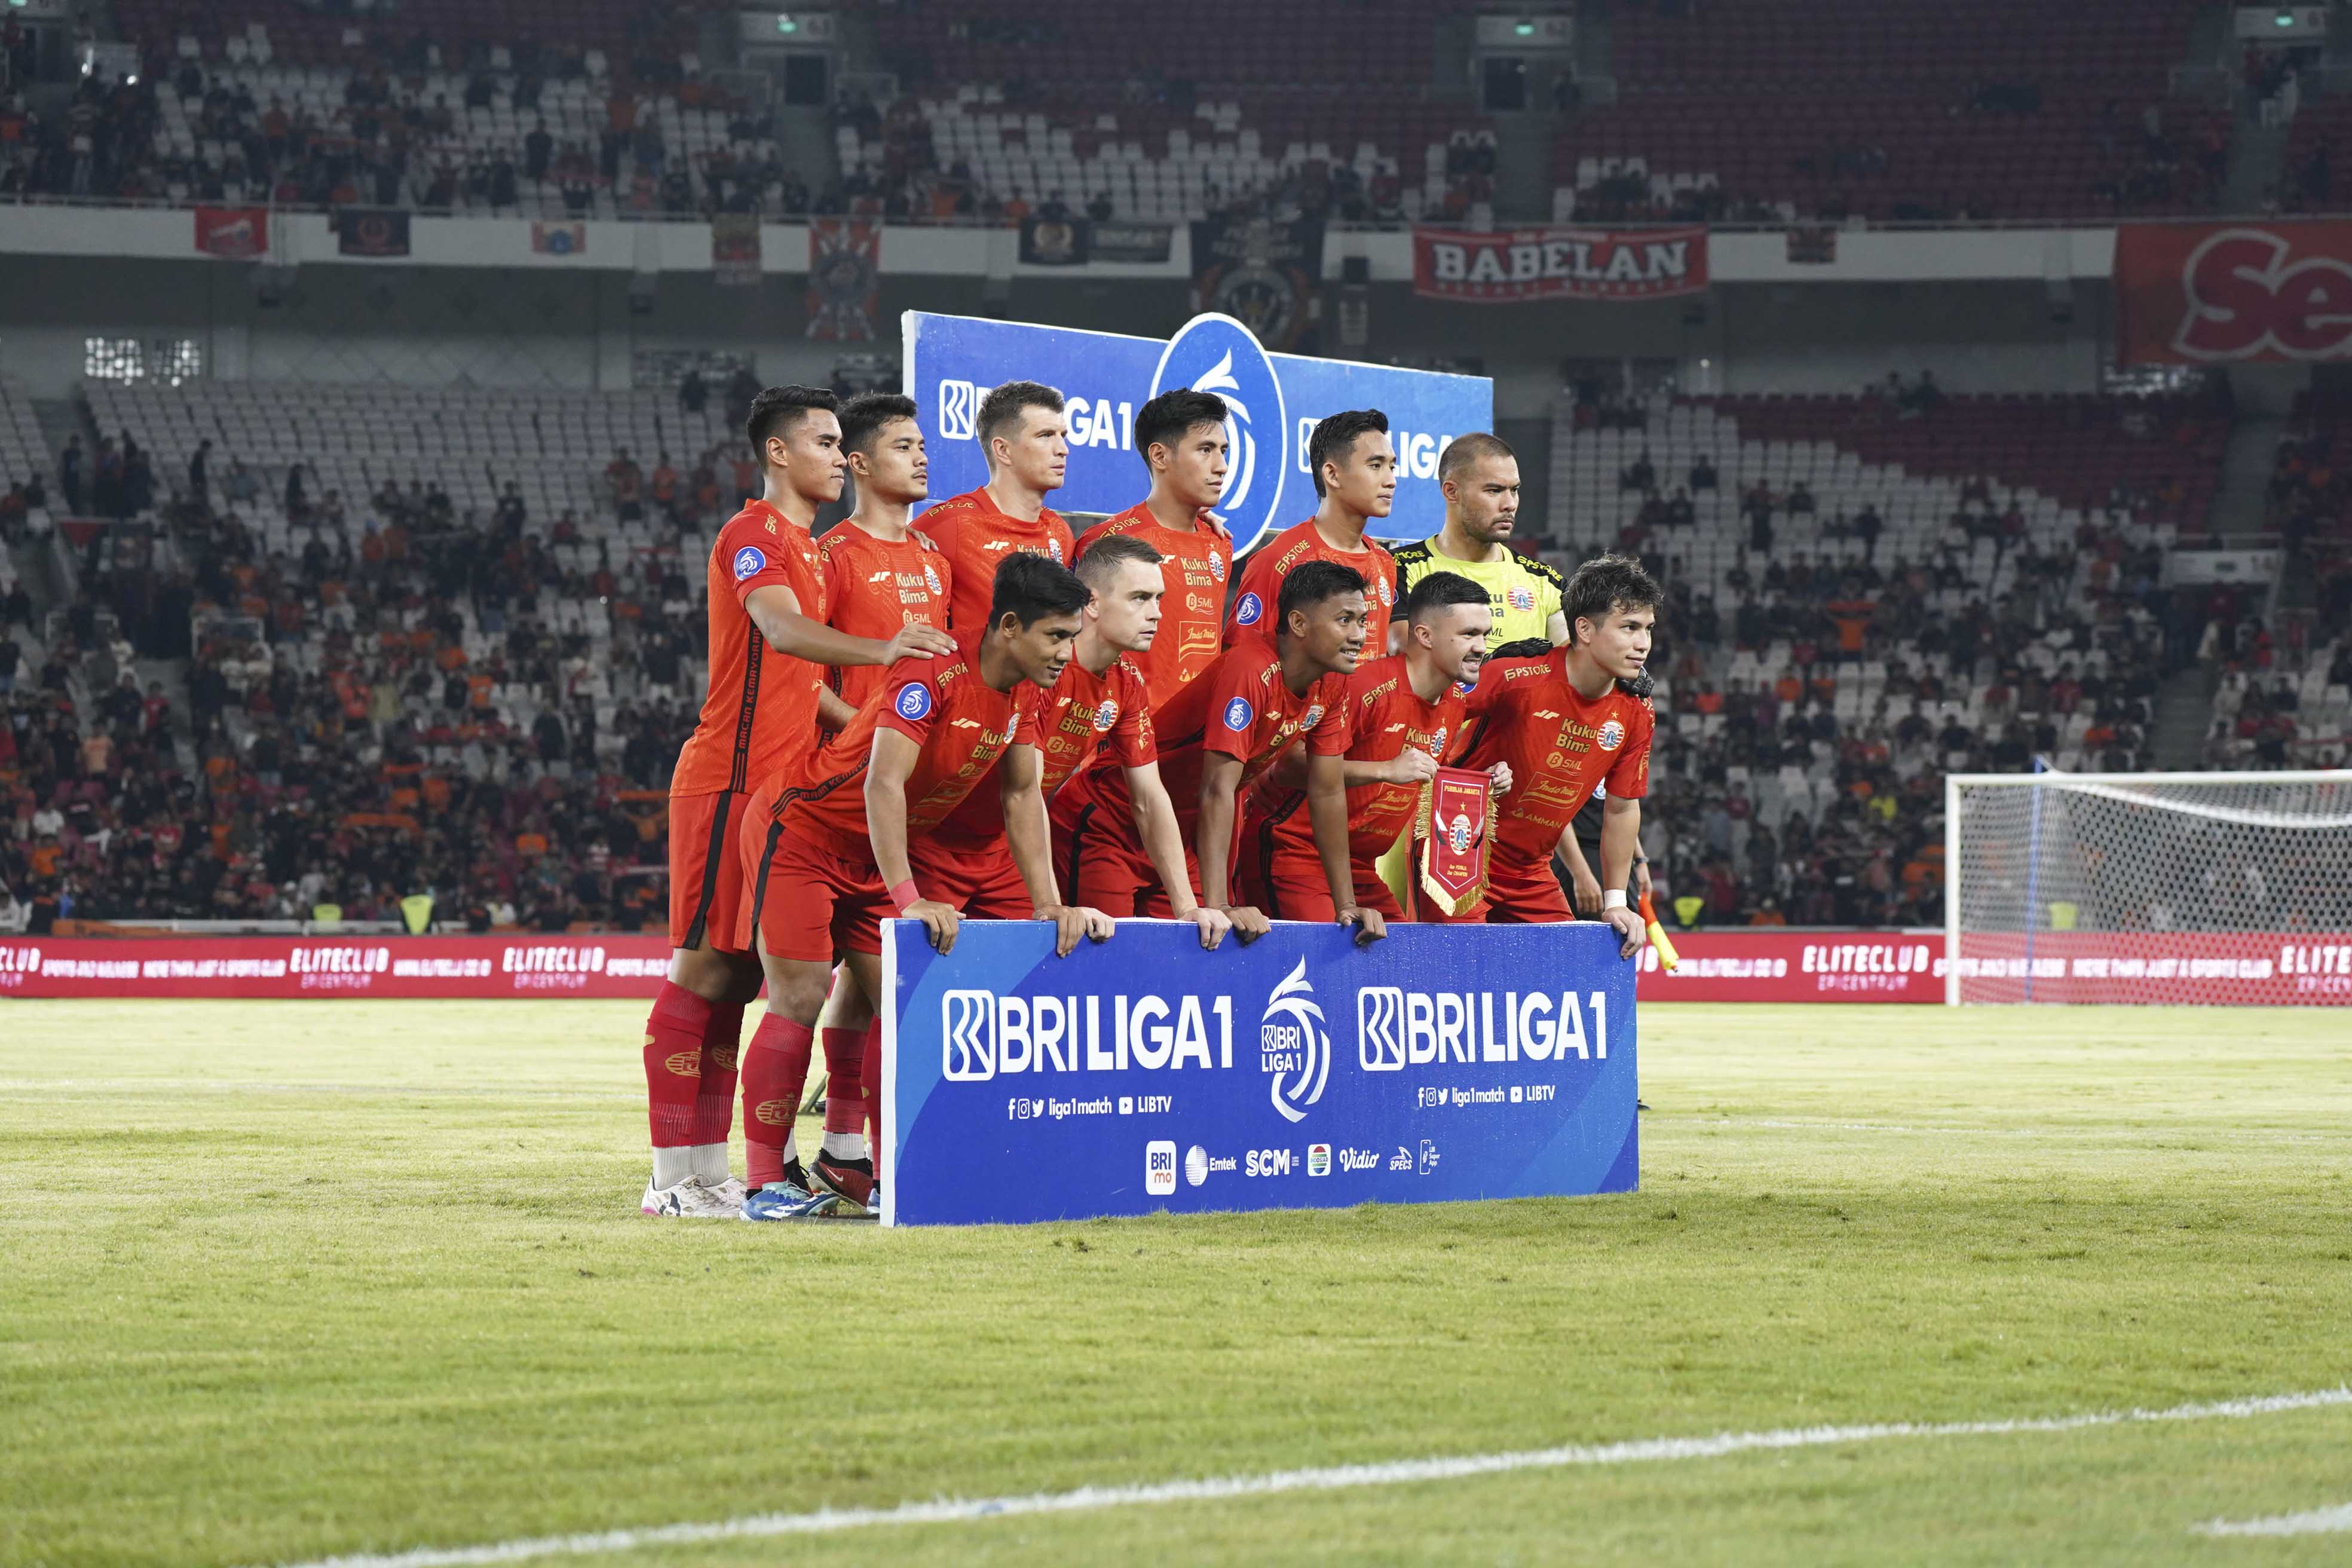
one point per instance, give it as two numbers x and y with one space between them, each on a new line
1292 1043
959 407
967 1036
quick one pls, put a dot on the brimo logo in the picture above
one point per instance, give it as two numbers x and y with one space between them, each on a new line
1293 1046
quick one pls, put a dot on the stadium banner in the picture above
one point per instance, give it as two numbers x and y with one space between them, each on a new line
735 250
603 965
1141 1074
1261 272
1773 963
1147 244
2267 292
2232 969
1055 242
1272 403
233 234
844 286
371 231
558 238
1516 264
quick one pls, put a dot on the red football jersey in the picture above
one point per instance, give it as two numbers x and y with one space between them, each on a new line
1259 600
878 587
962 725
1084 714
1559 744
1192 615
1240 706
758 717
1385 716
976 537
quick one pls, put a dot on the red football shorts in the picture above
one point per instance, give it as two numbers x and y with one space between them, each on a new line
1102 866
1518 892
1293 888
706 871
982 884
812 905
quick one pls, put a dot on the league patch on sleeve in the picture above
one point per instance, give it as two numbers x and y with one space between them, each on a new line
1238 714
749 561
1247 612
913 701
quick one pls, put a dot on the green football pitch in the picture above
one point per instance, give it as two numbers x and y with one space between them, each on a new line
284 1281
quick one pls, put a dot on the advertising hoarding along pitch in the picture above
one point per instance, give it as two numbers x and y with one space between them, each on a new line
1143 1074
1273 403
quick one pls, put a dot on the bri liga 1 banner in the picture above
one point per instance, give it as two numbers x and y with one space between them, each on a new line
1273 401
1299 1071
1516 265
2272 291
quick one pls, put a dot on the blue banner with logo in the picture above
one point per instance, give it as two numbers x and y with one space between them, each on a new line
1275 400
1445 1062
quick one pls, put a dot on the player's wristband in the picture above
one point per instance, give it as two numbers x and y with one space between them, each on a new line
903 894
1614 899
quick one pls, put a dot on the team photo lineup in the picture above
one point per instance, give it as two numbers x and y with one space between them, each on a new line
972 713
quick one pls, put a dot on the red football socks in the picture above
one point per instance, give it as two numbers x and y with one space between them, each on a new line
714 1102
873 1077
845 1087
674 1037
776 1070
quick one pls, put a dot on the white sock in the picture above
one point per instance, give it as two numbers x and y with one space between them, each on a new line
845 1145
791 1148
672 1166
710 1163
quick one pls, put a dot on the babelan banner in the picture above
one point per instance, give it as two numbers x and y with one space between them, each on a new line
1302 1070
1516 264
2274 291
1273 402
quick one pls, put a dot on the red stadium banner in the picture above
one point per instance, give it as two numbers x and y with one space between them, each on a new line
1558 264
604 965
1772 963
2269 292
233 234
844 286
2237 969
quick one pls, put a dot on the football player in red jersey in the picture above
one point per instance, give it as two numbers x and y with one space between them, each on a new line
1567 721
1102 706
1218 736
1354 468
830 859
768 643
1020 428
1404 711
880 574
1182 436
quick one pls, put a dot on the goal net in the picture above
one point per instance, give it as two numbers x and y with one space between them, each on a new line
2149 888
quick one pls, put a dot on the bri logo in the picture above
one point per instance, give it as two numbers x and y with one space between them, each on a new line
959 405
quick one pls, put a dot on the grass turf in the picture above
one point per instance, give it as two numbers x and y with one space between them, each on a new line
281 1280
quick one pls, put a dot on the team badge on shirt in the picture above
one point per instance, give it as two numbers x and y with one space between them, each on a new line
1216 566
1523 598
1388 595
1055 546
1437 742
930 578
913 701
1312 717
749 561
1105 713
1238 714
1611 736
1247 612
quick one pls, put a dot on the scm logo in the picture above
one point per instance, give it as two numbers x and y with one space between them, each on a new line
1266 1162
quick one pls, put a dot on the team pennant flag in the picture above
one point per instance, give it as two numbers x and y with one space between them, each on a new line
1454 814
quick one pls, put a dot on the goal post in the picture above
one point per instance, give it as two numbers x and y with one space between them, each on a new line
2203 888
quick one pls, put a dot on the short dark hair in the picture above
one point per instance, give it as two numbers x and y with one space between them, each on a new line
1523 647
1602 583
1004 405
1466 449
863 416
1335 438
1032 587
1312 581
1104 557
1440 591
776 410
1172 416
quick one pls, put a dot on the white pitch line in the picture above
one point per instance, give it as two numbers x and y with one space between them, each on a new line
1336 1477
2318 1521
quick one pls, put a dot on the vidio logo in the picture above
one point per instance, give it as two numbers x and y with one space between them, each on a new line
1293 1046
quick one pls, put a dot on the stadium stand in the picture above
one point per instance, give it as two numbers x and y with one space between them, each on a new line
477 682
1778 109
1869 592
